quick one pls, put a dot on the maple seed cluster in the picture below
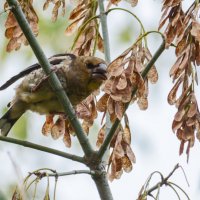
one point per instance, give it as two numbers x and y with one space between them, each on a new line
115 2
13 31
86 111
122 156
88 37
57 5
125 76
183 29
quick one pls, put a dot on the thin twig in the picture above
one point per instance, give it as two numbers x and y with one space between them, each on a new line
42 148
170 183
74 172
105 34
150 177
185 176
104 26
175 192
35 189
163 181
135 16
29 185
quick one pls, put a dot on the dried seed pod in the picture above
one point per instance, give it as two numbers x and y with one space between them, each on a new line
13 31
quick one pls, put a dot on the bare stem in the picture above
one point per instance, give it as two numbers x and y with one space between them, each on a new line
55 174
42 148
104 27
163 181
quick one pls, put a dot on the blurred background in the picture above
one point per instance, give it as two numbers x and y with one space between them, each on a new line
153 142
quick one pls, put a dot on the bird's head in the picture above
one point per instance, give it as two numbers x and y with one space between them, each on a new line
90 71
96 67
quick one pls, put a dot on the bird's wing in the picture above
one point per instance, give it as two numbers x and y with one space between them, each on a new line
19 75
54 60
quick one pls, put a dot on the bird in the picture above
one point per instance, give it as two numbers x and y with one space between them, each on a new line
79 76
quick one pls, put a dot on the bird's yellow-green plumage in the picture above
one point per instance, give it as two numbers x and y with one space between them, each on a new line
79 76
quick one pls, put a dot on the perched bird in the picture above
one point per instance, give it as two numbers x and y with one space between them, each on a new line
79 76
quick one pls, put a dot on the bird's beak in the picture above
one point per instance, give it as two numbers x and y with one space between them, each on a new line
99 72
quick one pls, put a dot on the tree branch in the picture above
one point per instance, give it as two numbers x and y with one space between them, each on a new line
43 148
117 121
41 173
53 79
74 172
104 27
56 174
101 182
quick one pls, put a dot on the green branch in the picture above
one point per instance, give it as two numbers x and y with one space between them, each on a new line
101 180
104 27
42 148
53 79
114 127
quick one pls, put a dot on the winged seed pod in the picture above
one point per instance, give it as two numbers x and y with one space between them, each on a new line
87 38
183 28
13 31
57 5
125 75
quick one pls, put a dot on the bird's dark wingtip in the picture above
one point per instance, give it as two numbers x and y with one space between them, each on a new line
4 86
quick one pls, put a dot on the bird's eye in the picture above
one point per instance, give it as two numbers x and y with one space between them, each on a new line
90 66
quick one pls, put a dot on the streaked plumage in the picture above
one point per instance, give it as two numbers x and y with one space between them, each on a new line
79 76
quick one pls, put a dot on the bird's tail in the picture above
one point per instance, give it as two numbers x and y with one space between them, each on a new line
11 116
